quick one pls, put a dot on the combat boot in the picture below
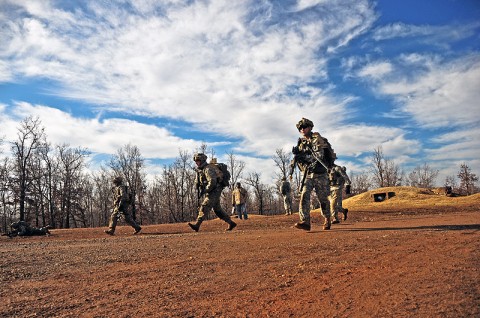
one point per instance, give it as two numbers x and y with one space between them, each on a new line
109 232
195 226
231 225
137 230
345 213
327 224
303 226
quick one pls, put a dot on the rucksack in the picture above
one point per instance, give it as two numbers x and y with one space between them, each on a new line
128 196
223 175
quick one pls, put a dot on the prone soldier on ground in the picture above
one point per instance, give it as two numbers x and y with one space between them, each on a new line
22 228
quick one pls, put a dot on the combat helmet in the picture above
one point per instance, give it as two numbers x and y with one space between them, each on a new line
200 156
304 122
117 180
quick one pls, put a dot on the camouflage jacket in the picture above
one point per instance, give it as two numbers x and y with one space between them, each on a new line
21 228
206 178
322 149
338 177
285 188
120 197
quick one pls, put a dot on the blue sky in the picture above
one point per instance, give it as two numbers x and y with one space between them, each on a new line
238 75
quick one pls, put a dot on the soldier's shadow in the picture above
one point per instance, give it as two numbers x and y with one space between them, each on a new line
162 233
449 227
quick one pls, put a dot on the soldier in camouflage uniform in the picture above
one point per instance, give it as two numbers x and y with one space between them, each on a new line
22 228
310 149
120 207
338 180
285 190
209 186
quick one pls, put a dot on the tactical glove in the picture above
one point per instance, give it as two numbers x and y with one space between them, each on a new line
296 149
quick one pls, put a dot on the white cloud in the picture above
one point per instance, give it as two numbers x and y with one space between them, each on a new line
375 70
99 136
236 69
462 144
208 64
446 95
306 4
169 65
430 33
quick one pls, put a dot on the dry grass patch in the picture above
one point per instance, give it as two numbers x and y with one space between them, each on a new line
410 198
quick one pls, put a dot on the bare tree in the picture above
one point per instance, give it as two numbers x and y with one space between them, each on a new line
259 188
378 167
451 181
385 172
72 164
50 176
422 177
6 199
182 179
103 196
467 179
282 161
29 137
360 183
235 167
128 163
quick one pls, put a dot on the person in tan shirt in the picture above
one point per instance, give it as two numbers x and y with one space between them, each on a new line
239 200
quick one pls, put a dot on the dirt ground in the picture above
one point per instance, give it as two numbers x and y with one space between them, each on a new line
407 259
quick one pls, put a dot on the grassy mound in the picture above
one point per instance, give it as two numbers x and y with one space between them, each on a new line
409 198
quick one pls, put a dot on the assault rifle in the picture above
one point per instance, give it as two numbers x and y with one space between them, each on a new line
317 158
200 189
298 156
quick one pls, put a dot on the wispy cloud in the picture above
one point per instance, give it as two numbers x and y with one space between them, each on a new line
430 33
217 65
99 136
376 70
243 71
446 95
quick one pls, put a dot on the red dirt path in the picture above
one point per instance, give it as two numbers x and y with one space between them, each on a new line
424 263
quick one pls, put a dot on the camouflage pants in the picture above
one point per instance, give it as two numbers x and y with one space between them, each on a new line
321 185
336 201
126 215
287 203
32 231
212 201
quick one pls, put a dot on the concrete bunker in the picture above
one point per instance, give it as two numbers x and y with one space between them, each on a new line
382 196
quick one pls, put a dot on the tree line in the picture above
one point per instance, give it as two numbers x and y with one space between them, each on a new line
47 184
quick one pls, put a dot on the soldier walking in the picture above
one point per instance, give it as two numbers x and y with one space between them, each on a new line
121 201
314 156
338 180
286 191
210 188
